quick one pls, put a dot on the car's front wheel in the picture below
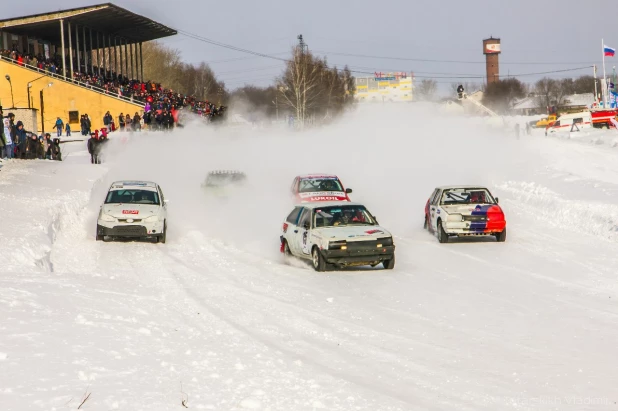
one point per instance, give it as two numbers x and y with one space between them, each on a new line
442 236
163 235
318 260
389 264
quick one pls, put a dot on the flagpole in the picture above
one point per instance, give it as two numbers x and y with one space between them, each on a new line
604 76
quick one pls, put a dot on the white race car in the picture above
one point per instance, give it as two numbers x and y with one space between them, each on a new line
336 234
135 209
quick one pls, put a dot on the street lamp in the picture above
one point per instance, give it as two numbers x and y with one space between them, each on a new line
30 86
8 78
43 107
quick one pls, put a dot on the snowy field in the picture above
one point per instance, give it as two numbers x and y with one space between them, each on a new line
215 319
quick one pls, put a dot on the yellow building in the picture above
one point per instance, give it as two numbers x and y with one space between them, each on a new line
62 99
385 87
104 39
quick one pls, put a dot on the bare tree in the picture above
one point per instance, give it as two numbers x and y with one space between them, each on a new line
502 94
427 89
545 90
309 87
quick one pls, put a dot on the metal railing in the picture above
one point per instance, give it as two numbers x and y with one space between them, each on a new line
61 77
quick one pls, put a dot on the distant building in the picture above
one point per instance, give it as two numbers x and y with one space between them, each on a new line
574 102
385 88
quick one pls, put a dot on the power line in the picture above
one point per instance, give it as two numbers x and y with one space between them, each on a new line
242 50
447 61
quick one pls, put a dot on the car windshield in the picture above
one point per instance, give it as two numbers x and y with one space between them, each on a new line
337 216
132 196
310 185
467 196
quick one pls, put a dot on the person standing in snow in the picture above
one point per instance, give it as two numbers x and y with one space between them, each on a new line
90 145
136 122
21 140
2 137
107 121
59 126
67 129
96 150
121 122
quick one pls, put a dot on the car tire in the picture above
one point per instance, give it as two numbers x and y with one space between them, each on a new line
317 260
442 236
389 264
99 237
163 236
425 224
501 237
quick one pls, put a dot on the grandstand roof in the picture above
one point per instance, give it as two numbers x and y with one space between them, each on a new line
105 18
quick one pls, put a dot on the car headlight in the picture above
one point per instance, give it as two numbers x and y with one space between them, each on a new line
385 241
454 217
108 218
337 245
151 219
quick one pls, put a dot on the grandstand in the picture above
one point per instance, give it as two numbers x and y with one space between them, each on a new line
46 57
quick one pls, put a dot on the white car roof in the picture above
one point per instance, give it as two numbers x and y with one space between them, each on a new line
133 184
321 204
462 186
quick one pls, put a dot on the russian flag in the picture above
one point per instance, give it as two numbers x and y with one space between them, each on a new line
608 51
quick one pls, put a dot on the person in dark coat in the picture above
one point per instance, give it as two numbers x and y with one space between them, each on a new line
91 143
121 119
32 146
96 150
108 120
21 139
137 122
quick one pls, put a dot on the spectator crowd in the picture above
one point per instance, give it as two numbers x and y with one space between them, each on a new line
162 110
16 142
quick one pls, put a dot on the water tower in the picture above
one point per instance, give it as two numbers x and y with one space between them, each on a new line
491 50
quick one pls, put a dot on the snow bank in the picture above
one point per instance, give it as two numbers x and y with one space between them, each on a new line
34 195
586 217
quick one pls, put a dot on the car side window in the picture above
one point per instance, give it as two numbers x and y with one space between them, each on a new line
162 196
293 216
305 217
432 196
436 197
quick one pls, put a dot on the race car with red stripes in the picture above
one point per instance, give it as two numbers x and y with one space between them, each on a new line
318 187
461 211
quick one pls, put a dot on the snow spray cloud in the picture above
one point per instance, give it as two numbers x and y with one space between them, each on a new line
392 156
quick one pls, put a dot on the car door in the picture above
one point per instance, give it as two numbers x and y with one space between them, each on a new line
302 233
163 203
291 228
427 213
434 209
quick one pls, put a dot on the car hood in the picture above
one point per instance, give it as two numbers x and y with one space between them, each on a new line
323 196
352 232
470 209
130 210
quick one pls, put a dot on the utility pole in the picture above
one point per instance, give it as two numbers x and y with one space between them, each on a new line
302 45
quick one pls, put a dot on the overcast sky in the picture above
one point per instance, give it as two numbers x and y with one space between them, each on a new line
535 35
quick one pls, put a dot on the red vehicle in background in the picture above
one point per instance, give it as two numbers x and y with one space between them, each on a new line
319 187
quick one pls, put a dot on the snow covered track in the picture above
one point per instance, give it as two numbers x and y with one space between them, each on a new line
473 325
